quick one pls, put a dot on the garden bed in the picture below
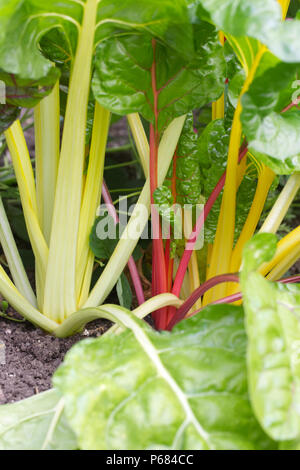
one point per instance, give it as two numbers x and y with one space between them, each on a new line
32 356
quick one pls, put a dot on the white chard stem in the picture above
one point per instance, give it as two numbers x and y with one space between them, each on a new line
60 298
47 142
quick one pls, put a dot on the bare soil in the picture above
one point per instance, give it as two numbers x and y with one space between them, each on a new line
31 357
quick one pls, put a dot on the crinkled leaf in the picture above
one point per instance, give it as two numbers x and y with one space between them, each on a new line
148 390
213 150
273 135
273 328
164 204
123 84
261 20
37 423
188 175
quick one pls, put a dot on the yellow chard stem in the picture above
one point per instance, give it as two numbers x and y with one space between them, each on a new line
23 169
265 180
222 249
47 141
284 248
140 139
91 199
60 298
283 266
285 6
282 204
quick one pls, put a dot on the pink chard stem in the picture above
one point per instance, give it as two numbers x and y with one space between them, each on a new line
136 280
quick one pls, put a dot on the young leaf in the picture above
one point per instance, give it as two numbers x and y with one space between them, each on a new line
124 84
273 328
103 248
165 206
147 390
37 423
124 292
105 236
272 135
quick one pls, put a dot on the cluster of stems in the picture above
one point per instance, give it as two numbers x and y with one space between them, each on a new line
60 204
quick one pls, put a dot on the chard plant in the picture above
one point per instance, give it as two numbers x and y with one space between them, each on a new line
227 377
48 51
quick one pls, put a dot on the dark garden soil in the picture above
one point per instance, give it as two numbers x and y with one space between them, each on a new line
31 356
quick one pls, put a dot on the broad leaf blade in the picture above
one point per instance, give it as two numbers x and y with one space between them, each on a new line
273 135
213 150
145 390
123 82
37 423
273 328
258 20
23 23
167 20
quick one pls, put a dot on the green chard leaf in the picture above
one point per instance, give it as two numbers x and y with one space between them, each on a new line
256 20
123 82
104 237
187 166
165 206
124 292
148 390
23 24
37 423
27 93
273 135
8 114
167 20
34 34
213 149
273 329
